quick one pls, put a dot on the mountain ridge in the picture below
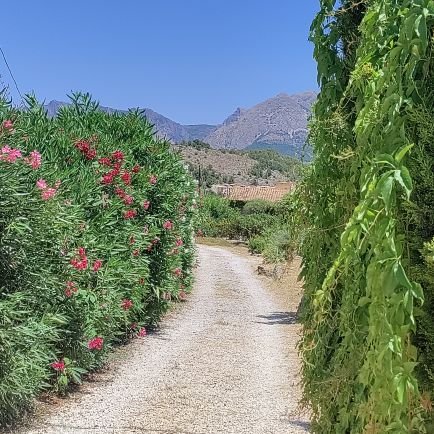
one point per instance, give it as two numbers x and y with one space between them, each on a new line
279 122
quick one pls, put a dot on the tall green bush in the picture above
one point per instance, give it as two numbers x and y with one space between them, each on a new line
362 293
96 237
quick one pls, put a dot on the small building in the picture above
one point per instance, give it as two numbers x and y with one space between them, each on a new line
246 193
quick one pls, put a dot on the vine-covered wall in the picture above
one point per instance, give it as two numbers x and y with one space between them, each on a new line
367 213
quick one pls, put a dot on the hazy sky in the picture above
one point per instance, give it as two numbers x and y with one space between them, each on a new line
194 61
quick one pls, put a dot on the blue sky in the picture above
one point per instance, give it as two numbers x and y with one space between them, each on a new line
194 61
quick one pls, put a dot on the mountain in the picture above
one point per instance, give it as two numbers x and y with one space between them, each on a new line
279 121
199 132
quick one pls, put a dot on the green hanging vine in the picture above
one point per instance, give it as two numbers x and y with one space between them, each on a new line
359 315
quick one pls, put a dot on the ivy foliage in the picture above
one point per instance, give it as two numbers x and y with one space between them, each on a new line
361 250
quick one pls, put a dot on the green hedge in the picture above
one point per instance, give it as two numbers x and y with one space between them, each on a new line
95 239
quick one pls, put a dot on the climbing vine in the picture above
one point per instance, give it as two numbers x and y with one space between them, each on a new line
359 354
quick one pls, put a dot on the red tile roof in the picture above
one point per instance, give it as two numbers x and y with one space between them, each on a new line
247 193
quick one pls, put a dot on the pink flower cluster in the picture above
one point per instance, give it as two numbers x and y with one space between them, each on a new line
58 366
86 149
95 343
80 263
9 155
179 242
130 214
8 125
97 265
46 191
177 272
126 304
71 288
168 225
34 160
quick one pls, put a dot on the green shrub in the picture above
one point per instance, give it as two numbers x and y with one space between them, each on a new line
258 207
92 257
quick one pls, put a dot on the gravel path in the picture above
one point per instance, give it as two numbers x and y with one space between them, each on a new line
223 362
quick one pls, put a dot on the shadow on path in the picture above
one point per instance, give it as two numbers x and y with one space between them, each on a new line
278 318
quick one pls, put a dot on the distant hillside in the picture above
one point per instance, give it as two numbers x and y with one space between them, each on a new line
198 132
217 166
281 120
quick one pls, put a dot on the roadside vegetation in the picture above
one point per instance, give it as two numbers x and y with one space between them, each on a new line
366 211
262 225
96 238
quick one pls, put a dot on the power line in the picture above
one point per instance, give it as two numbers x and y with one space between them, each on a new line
10 72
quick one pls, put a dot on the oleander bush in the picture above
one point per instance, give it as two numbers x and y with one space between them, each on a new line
96 238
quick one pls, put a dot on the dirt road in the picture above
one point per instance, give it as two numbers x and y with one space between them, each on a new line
223 362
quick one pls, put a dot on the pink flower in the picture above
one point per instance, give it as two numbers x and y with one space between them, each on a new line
168 225
10 155
107 179
105 161
80 264
152 180
128 200
70 288
118 155
34 160
182 295
41 184
136 169
7 124
177 272
132 240
85 148
136 252
97 265
179 242
91 154
82 145
126 304
116 168
48 193
58 366
146 204
95 343
142 332
120 193
156 240
126 177
130 214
